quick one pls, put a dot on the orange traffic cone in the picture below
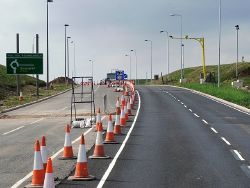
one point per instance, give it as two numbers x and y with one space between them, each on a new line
122 117
99 149
131 103
122 100
129 107
99 120
81 172
68 150
126 111
117 105
38 170
21 96
44 152
117 127
110 137
49 176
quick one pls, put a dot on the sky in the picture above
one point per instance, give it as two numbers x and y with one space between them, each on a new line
105 31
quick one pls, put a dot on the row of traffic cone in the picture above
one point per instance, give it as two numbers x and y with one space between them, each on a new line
43 169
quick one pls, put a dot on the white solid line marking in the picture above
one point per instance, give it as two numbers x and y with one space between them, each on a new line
112 164
13 130
214 130
190 110
225 140
205 121
239 155
37 121
196 115
17 184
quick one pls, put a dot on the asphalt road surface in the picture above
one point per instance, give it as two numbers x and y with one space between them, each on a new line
20 128
180 139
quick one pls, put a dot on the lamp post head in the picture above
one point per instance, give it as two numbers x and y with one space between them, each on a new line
146 40
237 27
68 37
171 37
50 1
131 50
66 25
126 55
161 31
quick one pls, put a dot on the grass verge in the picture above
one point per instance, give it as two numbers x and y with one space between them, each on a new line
225 92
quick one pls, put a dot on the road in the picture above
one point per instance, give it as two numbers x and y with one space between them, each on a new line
180 139
20 128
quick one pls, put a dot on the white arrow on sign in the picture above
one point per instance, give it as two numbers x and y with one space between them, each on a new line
14 67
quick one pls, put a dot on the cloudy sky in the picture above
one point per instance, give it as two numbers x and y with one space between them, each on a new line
106 30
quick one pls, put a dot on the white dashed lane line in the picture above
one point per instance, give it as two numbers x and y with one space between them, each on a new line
13 130
196 115
226 141
205 121
237 155
213 129
190 110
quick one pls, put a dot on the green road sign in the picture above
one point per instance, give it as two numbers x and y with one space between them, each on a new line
24 63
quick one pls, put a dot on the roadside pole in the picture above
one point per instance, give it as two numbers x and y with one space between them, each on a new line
37 76
17 75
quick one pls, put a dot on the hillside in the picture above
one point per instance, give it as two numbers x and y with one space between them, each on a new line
8 83
227 74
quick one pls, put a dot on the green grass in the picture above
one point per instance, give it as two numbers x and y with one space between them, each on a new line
225 92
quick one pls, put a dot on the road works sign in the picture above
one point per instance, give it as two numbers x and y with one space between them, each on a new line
24 63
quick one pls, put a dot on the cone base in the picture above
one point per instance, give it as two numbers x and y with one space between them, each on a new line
119 134
67 158
99 157
88 178
110 142
30 186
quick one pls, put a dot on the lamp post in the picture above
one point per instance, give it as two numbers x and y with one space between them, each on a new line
237 45
129 65
68 54
167 47
74 47
135 65
65 52
92 67
179 15
47 83
183 58
219 42
151 64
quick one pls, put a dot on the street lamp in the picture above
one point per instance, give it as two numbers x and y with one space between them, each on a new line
183 58
68 54
72 42
179 15
129 66
151 65
237 60
219 42
92 67
135 65
65 52
167 47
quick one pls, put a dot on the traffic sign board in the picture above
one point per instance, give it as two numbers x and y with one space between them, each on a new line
119 75
24 63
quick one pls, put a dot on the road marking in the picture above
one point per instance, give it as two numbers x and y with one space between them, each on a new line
17 184
13 130
36 121
185 106
63 108
225 140
214 130
237 155
174 97
182 103
190 110
246 169
196 115
97 88
178 100
205 121
112 164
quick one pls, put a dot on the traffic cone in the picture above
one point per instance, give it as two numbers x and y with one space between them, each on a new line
81 172
117 127
44 152
117 105
110 137
49 176
126 111
122 100
122 117
129 107
99 120
21 96
99 149
38 170
131 103
68 150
